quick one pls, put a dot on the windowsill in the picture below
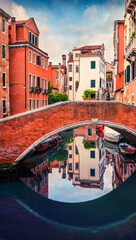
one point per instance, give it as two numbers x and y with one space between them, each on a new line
4 87
3 32
5 114
4 59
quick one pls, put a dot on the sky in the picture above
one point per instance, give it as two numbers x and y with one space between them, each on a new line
65 24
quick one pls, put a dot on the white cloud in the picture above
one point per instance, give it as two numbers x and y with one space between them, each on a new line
13 9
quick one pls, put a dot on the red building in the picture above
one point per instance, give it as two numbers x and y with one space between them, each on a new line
53 77
28 67
119 58
4 64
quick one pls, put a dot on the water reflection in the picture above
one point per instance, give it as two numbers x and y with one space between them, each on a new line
82 167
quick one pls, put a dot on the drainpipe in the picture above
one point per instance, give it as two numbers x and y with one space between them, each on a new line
25 77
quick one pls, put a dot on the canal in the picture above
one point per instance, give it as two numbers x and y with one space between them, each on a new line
81 188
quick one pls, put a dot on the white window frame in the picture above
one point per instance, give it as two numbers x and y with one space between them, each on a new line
46 64
29 104
29 81
5 52
43 62
34 85
34 58
46 83
30 56
5 25
42 83
38 103
4 86
42 102
33 103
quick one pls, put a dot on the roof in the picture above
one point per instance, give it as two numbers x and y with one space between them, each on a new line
25 22
3 13
57 66
70 58
91 47
90 53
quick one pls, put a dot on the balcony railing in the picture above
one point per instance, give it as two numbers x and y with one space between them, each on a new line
129 6
131 48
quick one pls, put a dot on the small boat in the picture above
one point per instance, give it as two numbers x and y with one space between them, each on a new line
112 135
126 148
48 143
100 128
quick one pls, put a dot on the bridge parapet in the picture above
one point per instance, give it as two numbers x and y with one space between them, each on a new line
23 131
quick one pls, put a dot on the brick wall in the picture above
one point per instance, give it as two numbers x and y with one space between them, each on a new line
20 132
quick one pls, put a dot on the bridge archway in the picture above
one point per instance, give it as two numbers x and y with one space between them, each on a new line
73 126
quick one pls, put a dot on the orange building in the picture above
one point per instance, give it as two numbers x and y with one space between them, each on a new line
4 64
28 67
119 58
53 77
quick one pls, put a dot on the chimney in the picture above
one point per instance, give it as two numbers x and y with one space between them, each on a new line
13 19
64 60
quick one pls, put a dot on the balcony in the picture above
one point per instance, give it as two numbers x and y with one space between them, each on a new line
130 5
31 90
130 49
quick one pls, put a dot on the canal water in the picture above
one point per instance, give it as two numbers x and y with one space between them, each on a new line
56 190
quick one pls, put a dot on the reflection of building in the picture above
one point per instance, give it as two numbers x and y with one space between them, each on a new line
38 183
122 170
86 162
60 165
4 64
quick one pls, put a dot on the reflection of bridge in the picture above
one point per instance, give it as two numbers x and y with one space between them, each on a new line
113 209
23 131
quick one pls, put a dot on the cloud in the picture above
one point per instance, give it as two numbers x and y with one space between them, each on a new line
13 9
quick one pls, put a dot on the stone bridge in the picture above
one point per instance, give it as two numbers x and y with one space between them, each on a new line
21 132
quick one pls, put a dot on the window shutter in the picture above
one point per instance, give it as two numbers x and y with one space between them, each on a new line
128 73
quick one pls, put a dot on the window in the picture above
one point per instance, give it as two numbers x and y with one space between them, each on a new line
33 103
100 154
46 64
30 104
29 36
93 65
70 78
30 56
4 106
92 95
3 51
77 166
43 84
76 179
42 62
4 79
70 155
92 83
92 172
70 166
89 131
70 68
92 154
77 68
38 60
76 150
34 57
35 41
108 85
3 25
34 81
37 103
46 84
100 82
76 55
57 79
38 81
43 102
30 82
70 147
77 85
70 87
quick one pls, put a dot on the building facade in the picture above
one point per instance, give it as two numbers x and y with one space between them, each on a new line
53 77
4 65
62 70
28 67
109 81
86 70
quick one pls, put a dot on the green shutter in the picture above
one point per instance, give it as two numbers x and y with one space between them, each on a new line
125 76
128 73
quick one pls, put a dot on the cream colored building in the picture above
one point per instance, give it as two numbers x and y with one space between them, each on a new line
86 70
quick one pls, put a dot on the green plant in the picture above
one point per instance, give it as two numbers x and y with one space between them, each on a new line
88 92
89 145
50 87
133 34
57 97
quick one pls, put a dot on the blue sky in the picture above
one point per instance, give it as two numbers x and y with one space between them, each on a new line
65 24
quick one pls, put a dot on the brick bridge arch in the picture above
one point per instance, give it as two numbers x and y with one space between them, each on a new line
20 133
